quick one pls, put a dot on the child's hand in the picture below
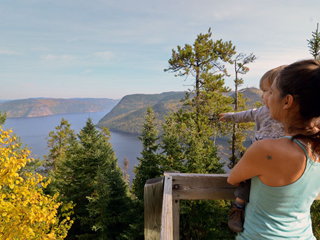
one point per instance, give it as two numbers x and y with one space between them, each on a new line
221 115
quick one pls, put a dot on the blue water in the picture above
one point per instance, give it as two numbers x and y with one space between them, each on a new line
35 131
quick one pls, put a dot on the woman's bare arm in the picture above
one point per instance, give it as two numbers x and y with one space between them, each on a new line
251 164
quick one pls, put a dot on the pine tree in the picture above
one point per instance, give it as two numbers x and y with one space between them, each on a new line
189 134
110 205
88 157
148 167
203 57
58 143
314 44
172 158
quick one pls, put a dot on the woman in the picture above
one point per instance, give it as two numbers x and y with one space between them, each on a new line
285 172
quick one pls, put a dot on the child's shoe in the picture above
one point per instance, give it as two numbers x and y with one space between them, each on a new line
236 218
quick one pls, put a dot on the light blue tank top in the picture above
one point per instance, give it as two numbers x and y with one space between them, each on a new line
282 212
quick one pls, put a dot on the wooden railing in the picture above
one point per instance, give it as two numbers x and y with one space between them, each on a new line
162 195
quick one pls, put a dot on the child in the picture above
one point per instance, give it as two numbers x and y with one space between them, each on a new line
265 128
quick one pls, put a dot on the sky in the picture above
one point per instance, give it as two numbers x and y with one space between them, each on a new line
113 48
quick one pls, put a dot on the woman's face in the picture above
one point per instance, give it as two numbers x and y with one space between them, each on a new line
274 102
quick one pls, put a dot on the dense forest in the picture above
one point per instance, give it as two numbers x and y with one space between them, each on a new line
78 191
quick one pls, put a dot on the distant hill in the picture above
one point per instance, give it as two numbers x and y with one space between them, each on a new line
253 95
37 107
128 115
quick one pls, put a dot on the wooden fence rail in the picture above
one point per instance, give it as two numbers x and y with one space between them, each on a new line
162 195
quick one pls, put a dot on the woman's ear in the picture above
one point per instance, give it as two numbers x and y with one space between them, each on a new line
288 101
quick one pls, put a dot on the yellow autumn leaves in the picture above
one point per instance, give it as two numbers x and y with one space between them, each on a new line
26 212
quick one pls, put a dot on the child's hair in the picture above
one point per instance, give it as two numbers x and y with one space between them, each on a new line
271 75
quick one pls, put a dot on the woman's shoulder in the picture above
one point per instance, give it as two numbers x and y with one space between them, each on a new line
271 143
276 148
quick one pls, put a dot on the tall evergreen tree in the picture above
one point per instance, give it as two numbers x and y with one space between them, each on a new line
314 44
58 143
189 134
203 57
110 205
149 163
148 167
173 157
88 161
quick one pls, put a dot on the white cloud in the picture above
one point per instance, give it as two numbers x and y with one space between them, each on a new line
63 57
104 55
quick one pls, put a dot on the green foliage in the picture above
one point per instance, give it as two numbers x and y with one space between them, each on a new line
315 216
188 134
26 211
148 167
173 157
205 219
3 118
149 163
314 44
203 56
58 143
109 205
85 173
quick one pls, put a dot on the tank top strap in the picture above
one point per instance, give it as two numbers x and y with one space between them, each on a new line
299 143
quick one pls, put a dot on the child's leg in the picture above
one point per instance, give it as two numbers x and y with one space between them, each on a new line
236 213
243 191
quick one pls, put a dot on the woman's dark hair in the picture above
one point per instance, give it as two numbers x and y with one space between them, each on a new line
302 80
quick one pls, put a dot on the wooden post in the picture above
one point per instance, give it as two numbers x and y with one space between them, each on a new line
167 221
153 195
176 218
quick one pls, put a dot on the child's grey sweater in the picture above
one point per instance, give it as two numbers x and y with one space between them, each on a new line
266 127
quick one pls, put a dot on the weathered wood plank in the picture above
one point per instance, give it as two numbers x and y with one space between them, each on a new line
167 220
153 195
176 218
201 186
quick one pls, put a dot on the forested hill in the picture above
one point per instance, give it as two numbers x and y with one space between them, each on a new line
128 115
37 107
252 95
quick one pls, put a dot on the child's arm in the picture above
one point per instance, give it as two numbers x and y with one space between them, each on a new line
238 117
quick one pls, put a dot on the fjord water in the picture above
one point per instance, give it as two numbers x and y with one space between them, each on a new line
35 131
